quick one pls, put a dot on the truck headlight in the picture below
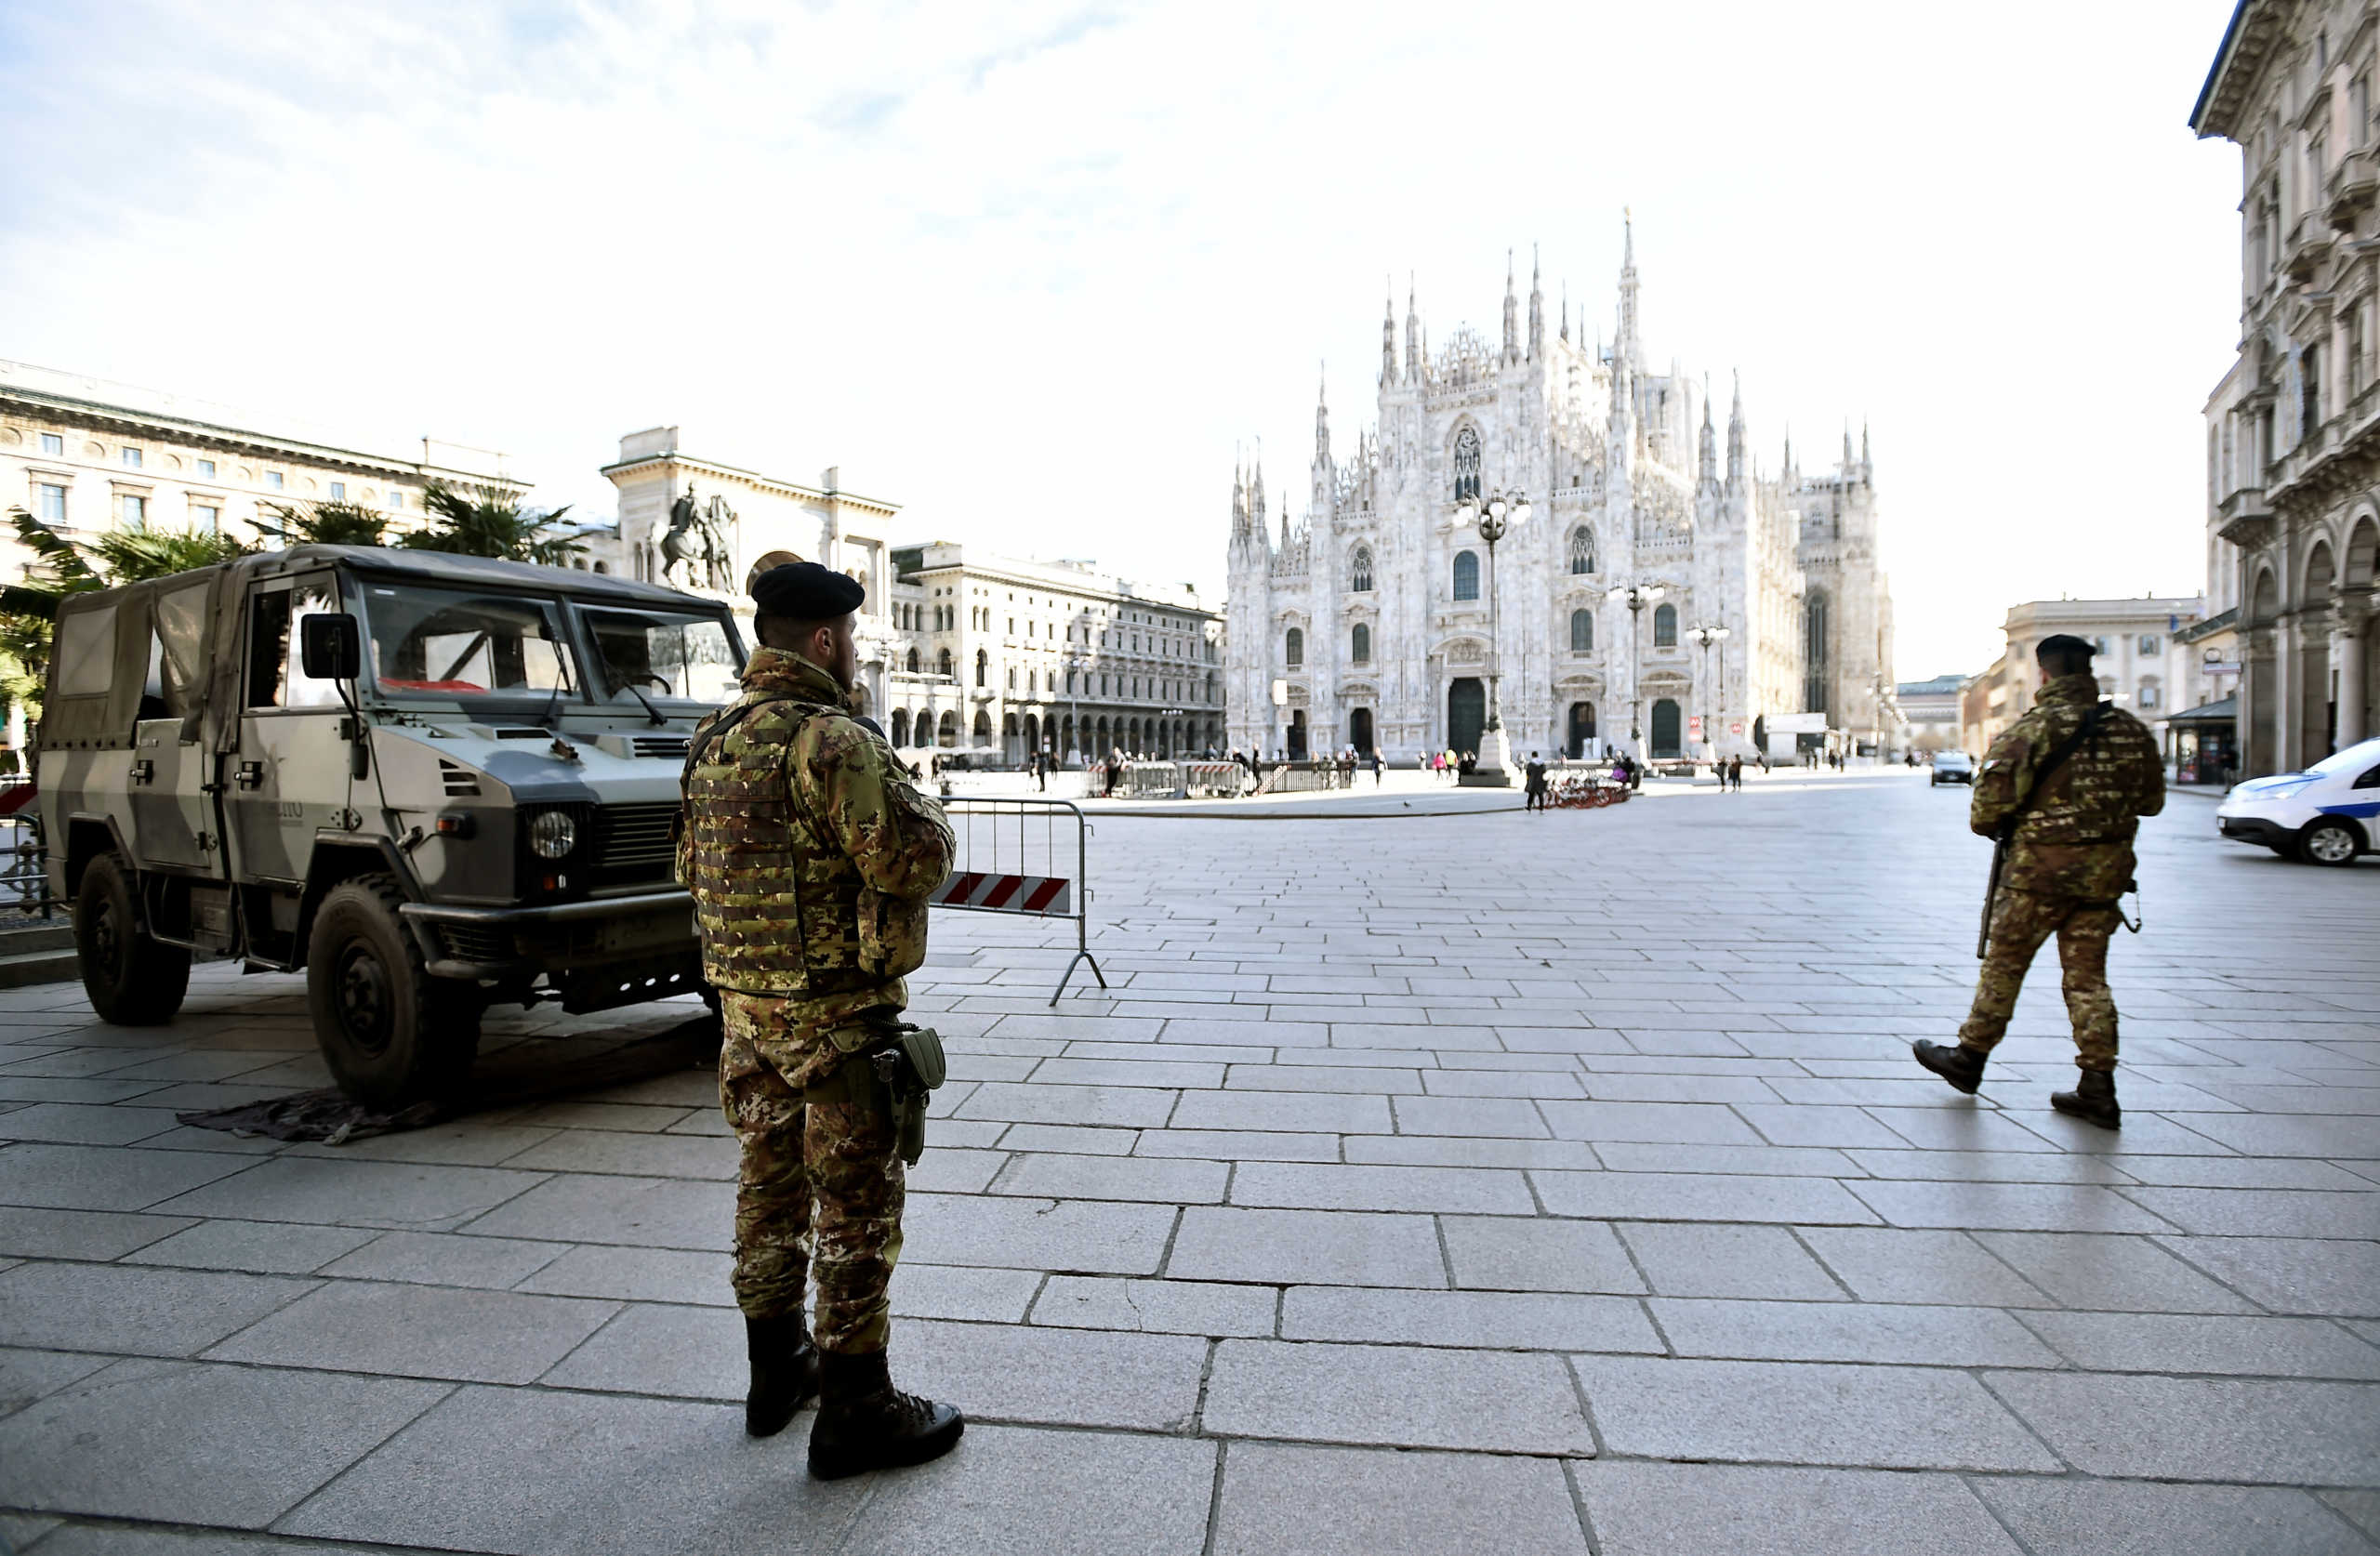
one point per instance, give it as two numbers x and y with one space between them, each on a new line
552 833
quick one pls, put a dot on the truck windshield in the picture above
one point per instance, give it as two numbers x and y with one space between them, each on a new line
660 653
464 643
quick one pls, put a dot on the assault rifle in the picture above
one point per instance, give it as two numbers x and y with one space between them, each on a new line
2002 835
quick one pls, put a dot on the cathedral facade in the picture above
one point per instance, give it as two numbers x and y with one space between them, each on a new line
1380 620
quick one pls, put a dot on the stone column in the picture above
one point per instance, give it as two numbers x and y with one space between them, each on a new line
2260 702
2350 626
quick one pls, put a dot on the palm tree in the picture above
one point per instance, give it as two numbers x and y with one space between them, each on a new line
488 522
328 523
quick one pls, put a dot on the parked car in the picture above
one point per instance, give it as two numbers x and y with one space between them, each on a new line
429 782
1951 767
2325 815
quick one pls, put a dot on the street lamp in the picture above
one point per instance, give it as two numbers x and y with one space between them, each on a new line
1637 597
1704 637
1496 516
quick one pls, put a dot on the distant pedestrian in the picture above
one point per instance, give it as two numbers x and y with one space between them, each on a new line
1534 774
1378 767
1735 773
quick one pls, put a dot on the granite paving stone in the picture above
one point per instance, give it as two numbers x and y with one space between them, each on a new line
1081 1235
1154 1307
134 1311
1812 1413
1295 1185
420 1331
409 1194
2091 1270
615 1477
1903 1265
1684 1510
28 1376
1148 1495
1182 1181
1672 1196
1718 1259
1848 1332
2242 1429
196 1443
2116 1518
1285 1499
2189 1343
94 1234
1497 1400
2015 1207
1508 1254
635 1212
2291 1274
450 1258
261 1247
1287 1246
629 1274
1498 1320
102 1178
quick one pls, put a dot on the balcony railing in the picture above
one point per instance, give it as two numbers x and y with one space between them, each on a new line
2353 184
2247 518
2307 248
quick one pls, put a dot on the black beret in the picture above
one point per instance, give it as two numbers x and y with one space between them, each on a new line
806 591
2065 645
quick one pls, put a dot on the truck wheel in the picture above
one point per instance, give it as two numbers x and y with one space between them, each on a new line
133 981
390 1033
2328 842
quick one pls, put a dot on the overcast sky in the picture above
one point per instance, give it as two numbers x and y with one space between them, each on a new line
1034 271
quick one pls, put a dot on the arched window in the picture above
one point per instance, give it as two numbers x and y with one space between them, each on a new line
942 663
1583 550
1466 463
1362 581
948 728
1466 574
1360 648
1582 631
983 665
1293 649
913 661
900 725
1665 626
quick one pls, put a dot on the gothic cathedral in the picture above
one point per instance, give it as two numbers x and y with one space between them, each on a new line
1368 624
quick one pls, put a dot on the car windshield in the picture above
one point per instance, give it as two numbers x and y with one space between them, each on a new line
660 653
464 642
2354 758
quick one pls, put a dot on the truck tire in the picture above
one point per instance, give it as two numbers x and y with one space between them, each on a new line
133 981
392 1034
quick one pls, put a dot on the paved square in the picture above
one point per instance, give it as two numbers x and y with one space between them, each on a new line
1441 1180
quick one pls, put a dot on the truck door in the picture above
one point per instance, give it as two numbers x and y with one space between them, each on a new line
172 777
288 777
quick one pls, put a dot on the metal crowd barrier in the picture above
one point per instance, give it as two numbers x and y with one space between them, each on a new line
1024 856
1206 780
24 866
1144 779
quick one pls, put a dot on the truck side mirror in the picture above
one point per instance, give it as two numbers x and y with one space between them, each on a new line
330 646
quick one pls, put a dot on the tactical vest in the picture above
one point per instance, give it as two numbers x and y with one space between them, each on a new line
779 904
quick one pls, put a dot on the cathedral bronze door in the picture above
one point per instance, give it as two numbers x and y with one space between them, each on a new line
1583 729
1359 730
1466 715
1297 736
1665 730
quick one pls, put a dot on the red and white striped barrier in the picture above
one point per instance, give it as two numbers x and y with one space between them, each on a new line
1047 895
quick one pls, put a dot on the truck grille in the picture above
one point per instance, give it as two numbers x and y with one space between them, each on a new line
633 843
485 943
661 745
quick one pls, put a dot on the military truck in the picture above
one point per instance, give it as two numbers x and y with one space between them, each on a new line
432 783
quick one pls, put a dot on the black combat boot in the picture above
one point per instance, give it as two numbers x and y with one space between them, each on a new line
864 1423
2093 1098
1961 1066
784 1372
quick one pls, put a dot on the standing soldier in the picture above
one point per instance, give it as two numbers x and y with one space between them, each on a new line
810 858
2064 788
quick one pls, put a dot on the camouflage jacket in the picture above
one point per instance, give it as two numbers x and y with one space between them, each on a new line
809 852
2075 838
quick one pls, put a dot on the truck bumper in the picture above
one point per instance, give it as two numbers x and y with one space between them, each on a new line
609 952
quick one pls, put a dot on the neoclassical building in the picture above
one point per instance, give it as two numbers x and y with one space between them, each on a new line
1368 622
2292 430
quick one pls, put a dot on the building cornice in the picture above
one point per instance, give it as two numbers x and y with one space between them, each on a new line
753 478
2257 27
100 415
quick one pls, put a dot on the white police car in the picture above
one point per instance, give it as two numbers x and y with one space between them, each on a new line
2325 815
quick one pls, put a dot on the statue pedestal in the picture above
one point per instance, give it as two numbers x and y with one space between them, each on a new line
1494 769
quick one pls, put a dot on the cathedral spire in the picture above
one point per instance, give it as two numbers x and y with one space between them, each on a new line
1864 460
1736 437
1511 316
1787 469
1240 529
1709 472
1388 337
1536 310
1565 311
1846 449
1322 418
1627 342
1412 333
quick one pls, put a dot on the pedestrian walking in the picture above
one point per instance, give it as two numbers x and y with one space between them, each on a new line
2062 791
1378 767
811 860
1533 775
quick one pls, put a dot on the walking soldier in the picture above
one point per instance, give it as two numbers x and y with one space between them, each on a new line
2062 791
811 857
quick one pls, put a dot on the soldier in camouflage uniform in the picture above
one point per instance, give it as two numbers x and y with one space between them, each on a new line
811 857
2069 858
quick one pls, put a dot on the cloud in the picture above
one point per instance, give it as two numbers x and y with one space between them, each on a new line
1033 270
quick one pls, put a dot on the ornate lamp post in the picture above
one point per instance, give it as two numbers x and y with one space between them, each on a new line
1635 597
1497 515
1704 637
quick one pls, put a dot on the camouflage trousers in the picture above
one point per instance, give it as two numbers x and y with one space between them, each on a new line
2020 921
818 1189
